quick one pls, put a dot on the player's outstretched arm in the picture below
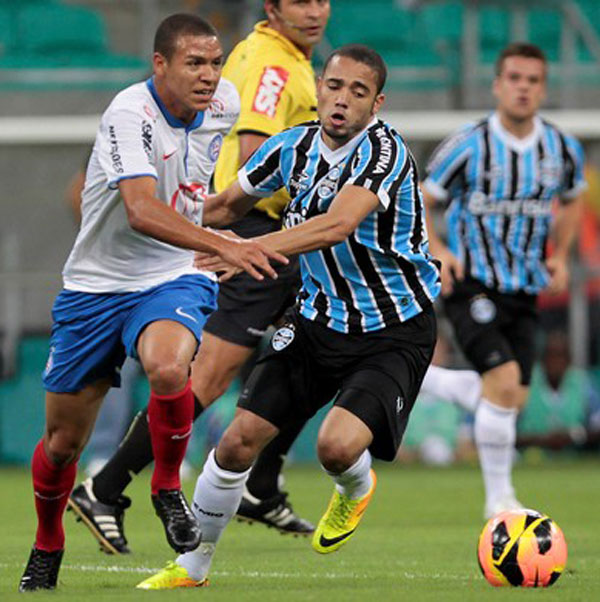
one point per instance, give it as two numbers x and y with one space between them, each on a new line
148 215
452 267
566 225
351 205
226 207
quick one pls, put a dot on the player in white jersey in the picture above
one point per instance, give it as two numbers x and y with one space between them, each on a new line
129 284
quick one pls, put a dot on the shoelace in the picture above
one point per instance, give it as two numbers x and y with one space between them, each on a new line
175 501
343 510
40 569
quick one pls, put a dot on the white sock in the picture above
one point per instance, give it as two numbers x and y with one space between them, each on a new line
355 481
462 387
217 497
495 435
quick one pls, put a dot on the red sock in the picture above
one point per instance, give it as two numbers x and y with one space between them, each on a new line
51 487
170 419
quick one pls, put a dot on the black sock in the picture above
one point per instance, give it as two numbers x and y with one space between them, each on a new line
264 477
132 456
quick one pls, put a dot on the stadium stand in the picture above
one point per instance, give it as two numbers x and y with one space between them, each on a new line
44 43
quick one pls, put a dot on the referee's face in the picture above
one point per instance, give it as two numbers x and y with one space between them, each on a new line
520 87
347 99
186 82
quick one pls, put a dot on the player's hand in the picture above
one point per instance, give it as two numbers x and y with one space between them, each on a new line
248 255
452 269
559 275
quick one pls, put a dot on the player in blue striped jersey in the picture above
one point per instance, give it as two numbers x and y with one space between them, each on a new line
509 182
363 330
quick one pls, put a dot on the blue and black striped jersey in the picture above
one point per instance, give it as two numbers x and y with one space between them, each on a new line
499 192
382 274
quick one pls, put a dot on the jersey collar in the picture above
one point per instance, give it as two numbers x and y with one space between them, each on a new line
518 144
262 28
335 156
173 121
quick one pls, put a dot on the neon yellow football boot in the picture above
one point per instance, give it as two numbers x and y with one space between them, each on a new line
341 519
171 577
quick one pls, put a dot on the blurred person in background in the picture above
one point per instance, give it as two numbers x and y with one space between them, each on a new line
563 409
130 286
498 179
272 72
434 429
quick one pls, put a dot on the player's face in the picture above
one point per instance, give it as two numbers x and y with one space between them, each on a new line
347 99
188 80
520 88
301 21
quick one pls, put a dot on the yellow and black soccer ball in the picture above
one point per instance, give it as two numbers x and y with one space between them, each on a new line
522 548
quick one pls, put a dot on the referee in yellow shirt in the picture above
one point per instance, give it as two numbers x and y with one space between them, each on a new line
272 72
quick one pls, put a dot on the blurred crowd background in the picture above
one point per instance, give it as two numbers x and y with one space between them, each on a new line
61 62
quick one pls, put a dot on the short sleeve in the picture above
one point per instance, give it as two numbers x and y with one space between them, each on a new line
126 145
262 175
266 100
573 181
448 160
380 164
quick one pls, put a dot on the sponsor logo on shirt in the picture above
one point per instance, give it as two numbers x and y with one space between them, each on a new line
147 139
480 204
270 87
385 151
115 156
188 200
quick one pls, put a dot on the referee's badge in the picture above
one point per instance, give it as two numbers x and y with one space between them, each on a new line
483 309
282 338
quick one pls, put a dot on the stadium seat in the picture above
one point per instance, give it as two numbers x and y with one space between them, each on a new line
49 44
65 29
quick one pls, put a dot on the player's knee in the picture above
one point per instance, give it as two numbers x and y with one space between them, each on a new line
237 449
335 455
167 378
64 447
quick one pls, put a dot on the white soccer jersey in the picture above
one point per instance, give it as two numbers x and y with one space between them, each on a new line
139 137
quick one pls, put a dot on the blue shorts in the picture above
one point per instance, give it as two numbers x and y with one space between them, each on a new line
93 332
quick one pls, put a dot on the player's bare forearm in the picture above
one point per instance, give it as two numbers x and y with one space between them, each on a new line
566 225
226 207
148 215
436 244
351 205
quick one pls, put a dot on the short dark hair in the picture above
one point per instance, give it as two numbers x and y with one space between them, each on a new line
180 24
525 49
362 54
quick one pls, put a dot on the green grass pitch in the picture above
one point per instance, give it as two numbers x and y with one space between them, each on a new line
417 542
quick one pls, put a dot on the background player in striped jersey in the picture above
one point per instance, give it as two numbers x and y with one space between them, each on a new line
363 329
500 179
272 72
130 286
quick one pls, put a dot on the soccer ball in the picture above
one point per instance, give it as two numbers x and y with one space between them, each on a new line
522 548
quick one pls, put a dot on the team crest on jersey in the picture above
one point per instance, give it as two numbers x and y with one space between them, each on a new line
214 148
328 186
483 310
282 338
270 87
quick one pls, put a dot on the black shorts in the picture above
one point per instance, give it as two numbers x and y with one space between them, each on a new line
493 328
247 307
376 375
